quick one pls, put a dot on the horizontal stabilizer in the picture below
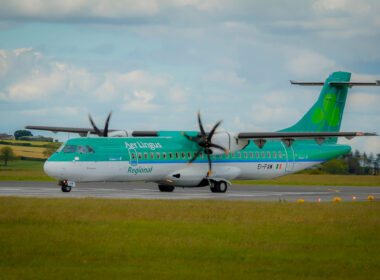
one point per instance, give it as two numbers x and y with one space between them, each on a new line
349 84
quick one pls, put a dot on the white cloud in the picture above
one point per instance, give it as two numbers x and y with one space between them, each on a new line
37 87
350 6
61 111
363 102
306 63
82 8
224 77
140 102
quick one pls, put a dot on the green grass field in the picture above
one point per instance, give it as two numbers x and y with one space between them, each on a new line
133 239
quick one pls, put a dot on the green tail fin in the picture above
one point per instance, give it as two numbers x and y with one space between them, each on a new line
326 114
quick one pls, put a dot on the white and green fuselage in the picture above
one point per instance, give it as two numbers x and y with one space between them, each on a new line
157 159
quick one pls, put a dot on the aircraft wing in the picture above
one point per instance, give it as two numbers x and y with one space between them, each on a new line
260 138
85 131
63 129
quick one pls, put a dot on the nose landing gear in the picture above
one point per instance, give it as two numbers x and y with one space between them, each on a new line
66 185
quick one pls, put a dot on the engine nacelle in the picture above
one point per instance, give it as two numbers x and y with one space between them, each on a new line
228 141
119 133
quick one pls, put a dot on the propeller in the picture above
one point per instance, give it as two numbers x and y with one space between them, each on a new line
203 139
103 133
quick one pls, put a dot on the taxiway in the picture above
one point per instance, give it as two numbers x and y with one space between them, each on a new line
150 191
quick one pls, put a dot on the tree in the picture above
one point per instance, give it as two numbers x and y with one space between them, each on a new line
335 166
7 154
50 149
20 133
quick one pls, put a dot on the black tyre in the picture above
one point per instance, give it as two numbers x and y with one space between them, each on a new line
164 188
214 187
218 187
66 188
222 187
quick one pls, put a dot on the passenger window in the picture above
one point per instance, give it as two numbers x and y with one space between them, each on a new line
279 155
170 155
189 155
133 156
268 154
90 150
152 155
158 155
245 155
239 155
70 149
146 155
257 155
262 154
274 155
251 154
183 155
164 155
140 156
82 149
176 155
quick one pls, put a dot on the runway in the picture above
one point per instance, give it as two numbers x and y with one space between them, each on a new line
150 191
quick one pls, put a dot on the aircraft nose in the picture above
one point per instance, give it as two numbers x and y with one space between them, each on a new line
50 169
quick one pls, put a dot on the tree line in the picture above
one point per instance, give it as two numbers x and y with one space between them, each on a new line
352 163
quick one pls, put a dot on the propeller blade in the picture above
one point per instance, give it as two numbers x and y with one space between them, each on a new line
94 126
191 138
213 130
200 124
220 148
209 166
105 131
194 157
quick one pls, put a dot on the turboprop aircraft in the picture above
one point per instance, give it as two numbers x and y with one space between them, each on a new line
197 159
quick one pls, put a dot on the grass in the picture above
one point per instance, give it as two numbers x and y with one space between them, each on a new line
133 239
24 170
32 143
26 151
23 165
320 180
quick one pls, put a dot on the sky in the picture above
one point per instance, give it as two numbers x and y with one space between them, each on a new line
155 63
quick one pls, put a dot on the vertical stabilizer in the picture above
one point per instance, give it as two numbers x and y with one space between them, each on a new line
326 114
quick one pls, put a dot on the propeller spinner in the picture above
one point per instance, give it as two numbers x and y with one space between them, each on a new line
203 139
100 133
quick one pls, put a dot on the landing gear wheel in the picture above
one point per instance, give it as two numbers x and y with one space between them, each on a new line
165 188
222 187
214 187
66 188
218 187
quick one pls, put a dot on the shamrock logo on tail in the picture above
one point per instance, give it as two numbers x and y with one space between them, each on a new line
329 112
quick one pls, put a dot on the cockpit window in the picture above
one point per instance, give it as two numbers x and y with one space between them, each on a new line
90 150
70 149
82 149
60 148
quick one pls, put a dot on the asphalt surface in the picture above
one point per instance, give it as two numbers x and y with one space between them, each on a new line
150 191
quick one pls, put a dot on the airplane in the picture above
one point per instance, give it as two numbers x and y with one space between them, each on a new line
206 159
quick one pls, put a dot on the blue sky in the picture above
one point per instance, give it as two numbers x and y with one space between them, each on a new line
155 63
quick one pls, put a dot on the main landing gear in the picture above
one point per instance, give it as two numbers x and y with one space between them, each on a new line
165 188
218 187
